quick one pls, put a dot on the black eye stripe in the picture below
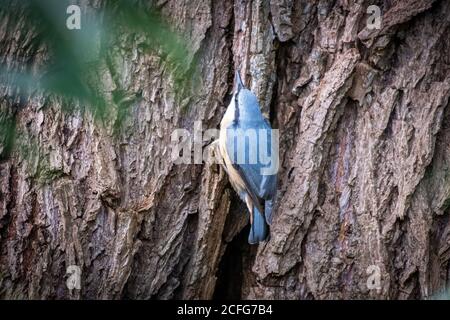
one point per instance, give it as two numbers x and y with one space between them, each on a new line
236 106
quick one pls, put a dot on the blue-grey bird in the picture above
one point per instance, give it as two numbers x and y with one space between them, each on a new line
248 153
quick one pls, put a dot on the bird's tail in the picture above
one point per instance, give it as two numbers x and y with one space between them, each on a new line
259 230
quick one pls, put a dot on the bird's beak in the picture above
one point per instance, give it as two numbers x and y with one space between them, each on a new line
238 82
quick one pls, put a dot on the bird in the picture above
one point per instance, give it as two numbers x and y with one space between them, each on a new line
244 135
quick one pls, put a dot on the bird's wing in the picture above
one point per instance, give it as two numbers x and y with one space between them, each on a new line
265 184
258 185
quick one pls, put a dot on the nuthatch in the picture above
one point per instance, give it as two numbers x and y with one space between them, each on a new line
244 137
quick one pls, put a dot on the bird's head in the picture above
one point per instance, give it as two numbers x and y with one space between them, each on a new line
244 102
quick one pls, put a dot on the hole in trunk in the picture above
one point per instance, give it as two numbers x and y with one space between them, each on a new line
230 275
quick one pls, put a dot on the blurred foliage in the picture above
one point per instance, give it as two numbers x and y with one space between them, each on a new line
75 59
442 295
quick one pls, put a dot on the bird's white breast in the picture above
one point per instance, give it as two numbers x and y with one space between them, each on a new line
227 121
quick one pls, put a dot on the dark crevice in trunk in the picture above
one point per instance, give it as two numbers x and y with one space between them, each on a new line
231 274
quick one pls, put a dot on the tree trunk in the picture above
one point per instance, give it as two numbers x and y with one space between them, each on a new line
364 183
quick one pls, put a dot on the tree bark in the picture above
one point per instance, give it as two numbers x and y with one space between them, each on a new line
364 183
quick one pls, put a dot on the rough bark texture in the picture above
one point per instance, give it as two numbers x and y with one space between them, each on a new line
365 150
